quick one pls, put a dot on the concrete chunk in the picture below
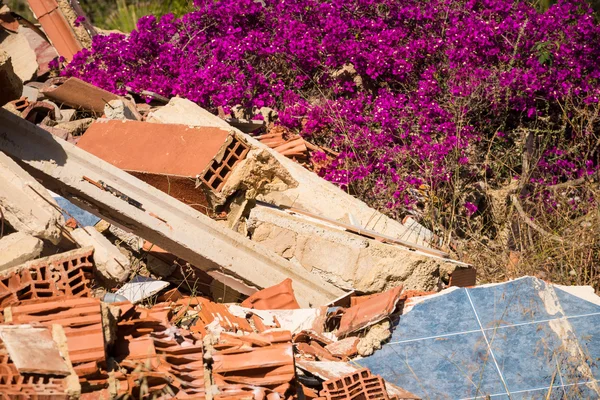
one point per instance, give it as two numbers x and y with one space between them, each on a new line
345 259
185 112
111 264
164 221
17 248
26 204
9 81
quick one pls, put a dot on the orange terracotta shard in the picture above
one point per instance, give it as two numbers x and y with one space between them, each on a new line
344 348
369 312
278 297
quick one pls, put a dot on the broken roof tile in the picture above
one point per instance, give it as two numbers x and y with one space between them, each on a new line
344 348
209 312
77 94
278 297
369 311
56 27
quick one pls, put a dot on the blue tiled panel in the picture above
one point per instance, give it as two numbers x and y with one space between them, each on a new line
438 349
529 356
587 332
511 303
444 368
440 315
82 216
573 305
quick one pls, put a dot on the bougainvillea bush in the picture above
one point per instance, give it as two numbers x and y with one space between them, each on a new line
428 104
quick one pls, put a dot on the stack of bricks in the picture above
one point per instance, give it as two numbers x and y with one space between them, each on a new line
63 274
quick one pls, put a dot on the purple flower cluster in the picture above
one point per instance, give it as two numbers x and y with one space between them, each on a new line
410 93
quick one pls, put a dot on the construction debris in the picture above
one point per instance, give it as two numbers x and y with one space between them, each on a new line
189 259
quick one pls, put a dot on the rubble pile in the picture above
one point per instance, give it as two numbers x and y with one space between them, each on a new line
150 249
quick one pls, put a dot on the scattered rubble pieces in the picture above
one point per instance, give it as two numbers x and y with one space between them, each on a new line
172 225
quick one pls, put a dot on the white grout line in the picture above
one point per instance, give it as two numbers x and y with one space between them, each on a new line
489 346
531 390
494 328
435 337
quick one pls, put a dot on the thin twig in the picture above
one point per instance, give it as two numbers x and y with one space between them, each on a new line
529 222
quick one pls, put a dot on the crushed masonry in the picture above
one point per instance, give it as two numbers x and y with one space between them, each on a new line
226 255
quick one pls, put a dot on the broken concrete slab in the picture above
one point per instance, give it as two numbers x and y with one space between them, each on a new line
184 112
112 265
312 193
18 248
27 205
11 84
164 220
342 258
33 350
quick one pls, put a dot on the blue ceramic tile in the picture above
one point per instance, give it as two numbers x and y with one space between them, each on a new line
531 356
83 217
570 392
452 367
551 393
587 332
440 315
573 305
582 391
514 302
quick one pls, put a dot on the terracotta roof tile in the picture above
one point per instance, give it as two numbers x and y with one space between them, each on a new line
278 297
369 312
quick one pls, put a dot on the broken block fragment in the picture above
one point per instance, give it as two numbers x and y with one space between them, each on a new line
111 264
18 248
27 206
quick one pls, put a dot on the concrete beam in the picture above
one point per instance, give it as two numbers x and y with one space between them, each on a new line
164 220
